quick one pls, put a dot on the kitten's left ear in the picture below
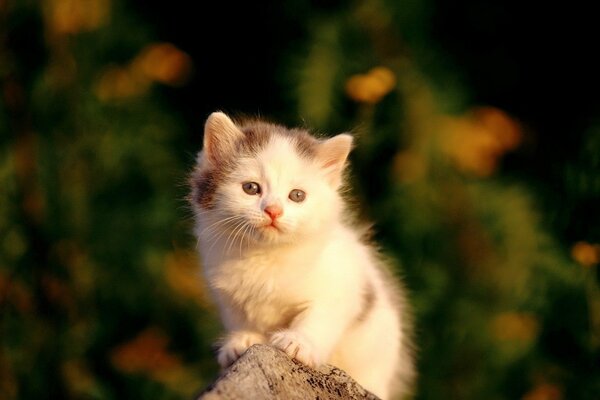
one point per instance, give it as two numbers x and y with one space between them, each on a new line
332 155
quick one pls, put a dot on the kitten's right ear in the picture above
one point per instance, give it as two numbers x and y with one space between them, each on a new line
332 154
220 137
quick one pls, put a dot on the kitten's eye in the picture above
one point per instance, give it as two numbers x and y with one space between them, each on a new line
297 195
251 188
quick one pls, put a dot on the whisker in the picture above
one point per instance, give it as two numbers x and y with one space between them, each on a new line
236 235
240 230
248 226
221 233
234 230
216 224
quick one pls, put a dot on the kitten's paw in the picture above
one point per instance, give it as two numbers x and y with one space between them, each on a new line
297 346
235 344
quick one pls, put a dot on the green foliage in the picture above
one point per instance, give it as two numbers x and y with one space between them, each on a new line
94 225
494 292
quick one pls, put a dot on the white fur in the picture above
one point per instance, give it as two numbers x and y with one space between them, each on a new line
300 288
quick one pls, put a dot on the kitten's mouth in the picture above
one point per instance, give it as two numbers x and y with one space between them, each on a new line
272 227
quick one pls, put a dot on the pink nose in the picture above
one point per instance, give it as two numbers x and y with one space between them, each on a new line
274 211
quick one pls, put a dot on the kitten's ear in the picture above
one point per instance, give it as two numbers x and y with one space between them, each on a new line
220 137
332 155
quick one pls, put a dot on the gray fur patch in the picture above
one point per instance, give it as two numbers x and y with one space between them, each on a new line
369 297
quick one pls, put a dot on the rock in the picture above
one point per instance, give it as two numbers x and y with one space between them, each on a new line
264 372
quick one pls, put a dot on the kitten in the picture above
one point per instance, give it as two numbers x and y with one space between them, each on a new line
283 266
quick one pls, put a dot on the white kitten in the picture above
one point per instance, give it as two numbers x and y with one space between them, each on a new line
282 265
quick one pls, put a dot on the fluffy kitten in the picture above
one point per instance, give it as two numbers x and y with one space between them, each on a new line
282 265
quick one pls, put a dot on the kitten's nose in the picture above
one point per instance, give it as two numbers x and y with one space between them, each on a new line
274 211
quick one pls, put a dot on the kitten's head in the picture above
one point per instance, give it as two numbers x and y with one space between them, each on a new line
266 183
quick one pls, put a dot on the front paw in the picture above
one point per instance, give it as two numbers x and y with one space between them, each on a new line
235 344
297 346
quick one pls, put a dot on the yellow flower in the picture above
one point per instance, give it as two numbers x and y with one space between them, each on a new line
515 326
119 83
476 141
73 16
586 254
372 86
158 62
164 63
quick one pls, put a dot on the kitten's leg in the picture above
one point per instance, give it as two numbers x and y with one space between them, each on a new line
235 344
297 346
239 337
313 334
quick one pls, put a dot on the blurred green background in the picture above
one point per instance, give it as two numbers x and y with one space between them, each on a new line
478 156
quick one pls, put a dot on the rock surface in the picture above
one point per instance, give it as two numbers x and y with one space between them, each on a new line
264 372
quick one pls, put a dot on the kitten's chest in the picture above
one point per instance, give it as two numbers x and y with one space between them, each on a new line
268 291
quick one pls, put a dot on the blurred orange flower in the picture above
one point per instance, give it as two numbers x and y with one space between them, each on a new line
475 142
73 16
371 87
119 83
544 391
164 63
147 354
586 254
515 326
158 62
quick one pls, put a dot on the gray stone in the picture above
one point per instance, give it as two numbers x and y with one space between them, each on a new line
264 372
